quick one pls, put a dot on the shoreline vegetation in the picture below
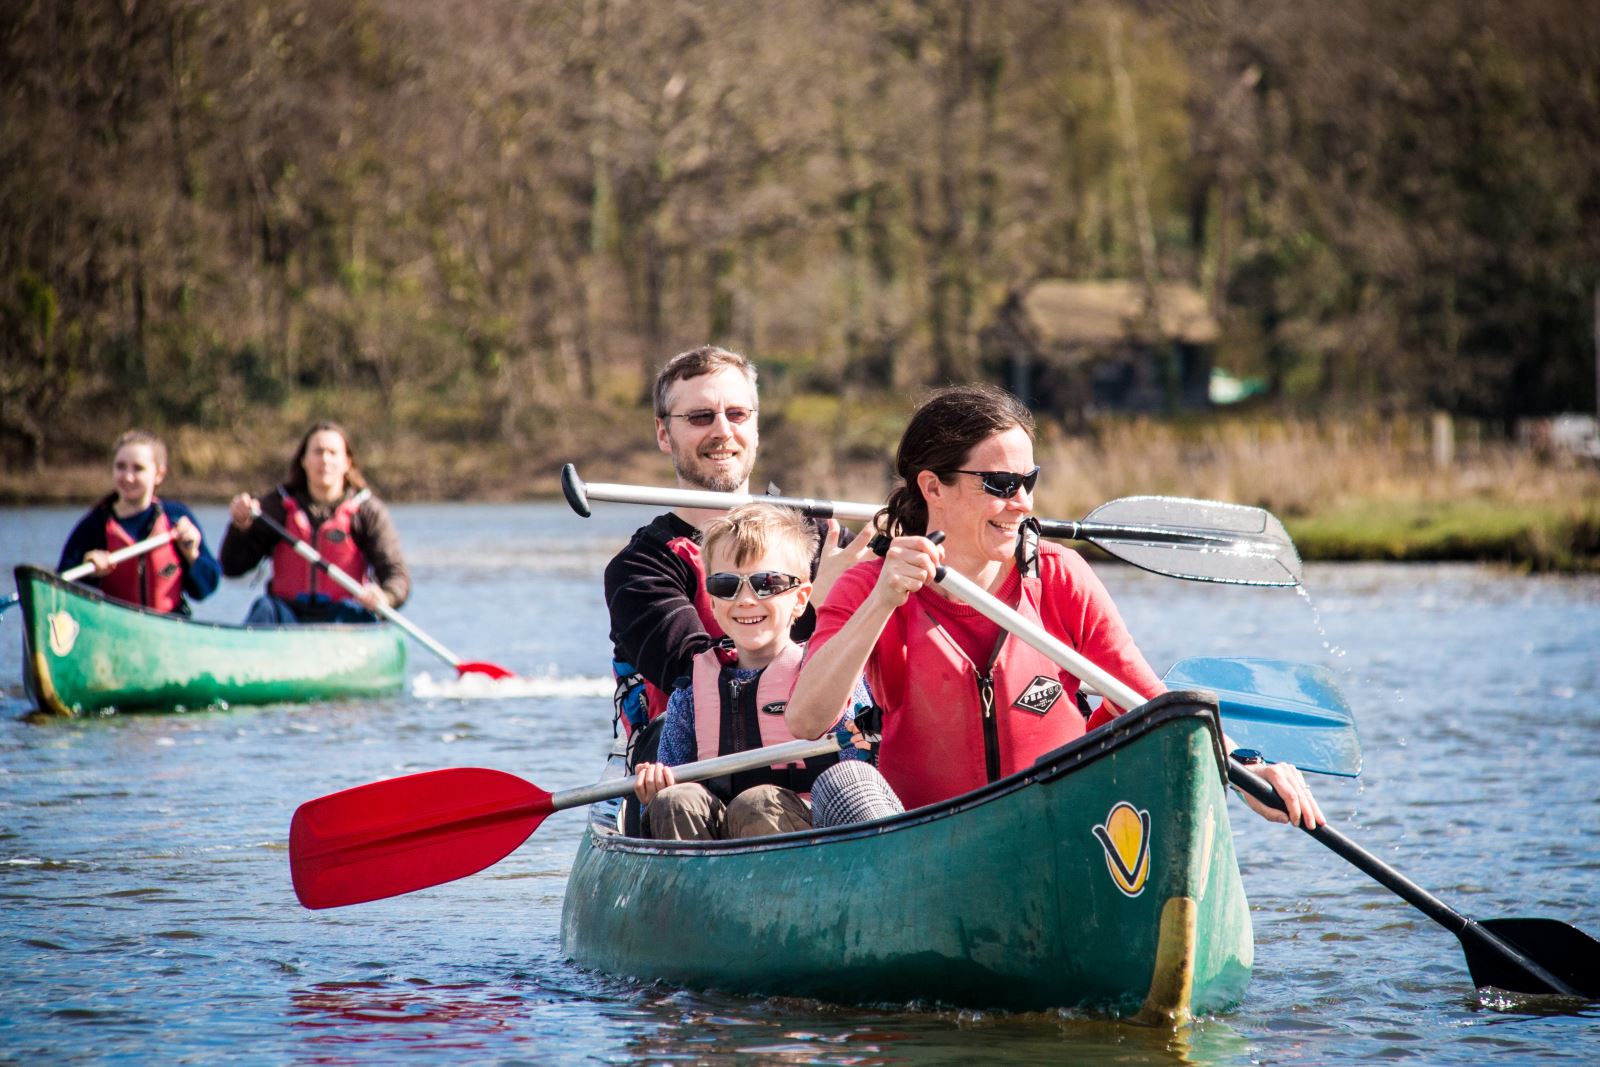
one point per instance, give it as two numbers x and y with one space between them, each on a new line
1395 489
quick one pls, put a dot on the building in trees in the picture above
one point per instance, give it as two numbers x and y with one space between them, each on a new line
1071 348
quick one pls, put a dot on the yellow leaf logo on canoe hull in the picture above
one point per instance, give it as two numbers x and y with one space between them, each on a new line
1125 836
63 632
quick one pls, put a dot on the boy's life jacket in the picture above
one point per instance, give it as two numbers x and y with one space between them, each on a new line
733 716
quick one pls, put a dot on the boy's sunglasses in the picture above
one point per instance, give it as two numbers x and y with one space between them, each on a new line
763 584
1004 484
706 417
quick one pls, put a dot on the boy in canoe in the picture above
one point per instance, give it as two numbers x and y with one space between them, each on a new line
165 577
757 557
706 419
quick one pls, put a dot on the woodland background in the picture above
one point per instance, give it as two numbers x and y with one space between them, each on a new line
473 231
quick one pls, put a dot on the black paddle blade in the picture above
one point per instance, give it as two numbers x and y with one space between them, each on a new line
1566 952
1202 540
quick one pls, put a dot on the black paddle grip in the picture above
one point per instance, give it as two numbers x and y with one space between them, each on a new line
880 547
573 489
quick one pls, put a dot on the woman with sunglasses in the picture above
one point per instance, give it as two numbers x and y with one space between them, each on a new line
965 702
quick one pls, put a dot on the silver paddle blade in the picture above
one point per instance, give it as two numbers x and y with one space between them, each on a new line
1203 540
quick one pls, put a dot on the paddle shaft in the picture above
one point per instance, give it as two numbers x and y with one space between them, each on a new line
1059 529
699 771
138 548
83 570
1121 693
354 588
1464 928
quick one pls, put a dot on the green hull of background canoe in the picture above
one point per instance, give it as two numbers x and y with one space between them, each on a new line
1002 898
84 653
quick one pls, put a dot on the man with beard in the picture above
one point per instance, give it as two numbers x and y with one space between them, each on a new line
706 420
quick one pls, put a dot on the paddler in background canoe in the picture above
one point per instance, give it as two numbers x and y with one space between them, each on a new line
165 578
326 503
706 419
758 555
966 468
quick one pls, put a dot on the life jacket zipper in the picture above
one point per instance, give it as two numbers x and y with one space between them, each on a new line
991 728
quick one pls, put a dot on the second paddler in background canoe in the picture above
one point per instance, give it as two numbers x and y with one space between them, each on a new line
326 502
757 556
965 702
166 577
707 419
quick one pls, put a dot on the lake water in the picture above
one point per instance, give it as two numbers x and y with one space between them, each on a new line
148 915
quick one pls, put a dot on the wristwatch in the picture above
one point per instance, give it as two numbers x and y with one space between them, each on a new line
1247 756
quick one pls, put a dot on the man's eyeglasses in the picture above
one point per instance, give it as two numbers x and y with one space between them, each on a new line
706 417
763 584
1004 484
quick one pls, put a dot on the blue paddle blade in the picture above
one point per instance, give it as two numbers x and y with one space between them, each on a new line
1290 712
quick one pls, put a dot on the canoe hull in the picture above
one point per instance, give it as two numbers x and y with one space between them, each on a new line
84 653
1004 898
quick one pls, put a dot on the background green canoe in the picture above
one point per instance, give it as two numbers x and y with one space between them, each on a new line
84 652
1103 876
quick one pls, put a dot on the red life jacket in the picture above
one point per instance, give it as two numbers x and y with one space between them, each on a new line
962 727
730 716
688 550
293 576
153 580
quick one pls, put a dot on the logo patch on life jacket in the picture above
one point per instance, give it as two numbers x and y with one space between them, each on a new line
169 570
334 537
774 708
1125 836
1040 696
63 632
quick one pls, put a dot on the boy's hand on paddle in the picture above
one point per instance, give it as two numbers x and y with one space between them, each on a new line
1292 789
835 559
650 779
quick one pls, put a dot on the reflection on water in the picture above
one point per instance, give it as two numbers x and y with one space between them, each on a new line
148 912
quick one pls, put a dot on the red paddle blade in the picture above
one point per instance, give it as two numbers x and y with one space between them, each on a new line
493 670
405 834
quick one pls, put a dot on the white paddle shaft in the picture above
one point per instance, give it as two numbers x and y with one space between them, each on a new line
138 548
354 588
788 752
1006 617
659 496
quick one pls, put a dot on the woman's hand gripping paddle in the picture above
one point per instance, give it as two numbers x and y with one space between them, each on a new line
354 588
398 836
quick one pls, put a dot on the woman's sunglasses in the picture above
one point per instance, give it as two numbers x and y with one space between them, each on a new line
706 418
763 584
1004 484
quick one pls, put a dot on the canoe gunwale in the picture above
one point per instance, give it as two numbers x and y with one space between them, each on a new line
1120 732
70 685
29 572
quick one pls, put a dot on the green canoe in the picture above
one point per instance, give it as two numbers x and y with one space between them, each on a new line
1104 877
85 653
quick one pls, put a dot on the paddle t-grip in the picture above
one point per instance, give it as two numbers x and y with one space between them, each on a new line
572 488
880 548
